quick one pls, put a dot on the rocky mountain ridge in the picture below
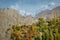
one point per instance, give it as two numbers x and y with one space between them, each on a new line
49 13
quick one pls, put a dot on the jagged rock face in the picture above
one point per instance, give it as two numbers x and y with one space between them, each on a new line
49 13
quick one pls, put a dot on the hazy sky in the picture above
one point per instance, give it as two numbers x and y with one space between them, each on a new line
30 7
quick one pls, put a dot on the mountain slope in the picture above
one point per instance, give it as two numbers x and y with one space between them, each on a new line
49 13
56 11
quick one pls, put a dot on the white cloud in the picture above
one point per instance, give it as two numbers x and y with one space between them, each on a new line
16 6
50 6
52 3
22 12
43 7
